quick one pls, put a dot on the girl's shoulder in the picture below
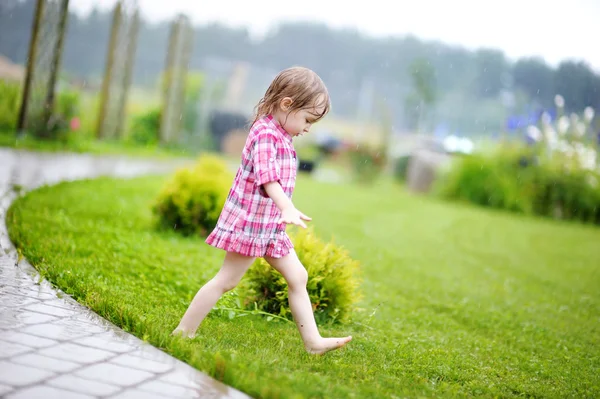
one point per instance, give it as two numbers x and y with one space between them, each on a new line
262 127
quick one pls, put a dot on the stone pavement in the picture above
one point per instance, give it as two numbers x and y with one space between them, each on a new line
53 347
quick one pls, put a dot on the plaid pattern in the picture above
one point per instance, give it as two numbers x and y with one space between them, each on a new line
248 222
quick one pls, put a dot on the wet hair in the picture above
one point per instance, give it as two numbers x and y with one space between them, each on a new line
302 85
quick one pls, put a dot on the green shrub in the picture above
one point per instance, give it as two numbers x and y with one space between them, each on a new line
145 127
401 168
192 200
10 102
66 106
367 163
520 181
332 281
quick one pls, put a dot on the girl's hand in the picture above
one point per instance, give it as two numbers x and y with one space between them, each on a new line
293 216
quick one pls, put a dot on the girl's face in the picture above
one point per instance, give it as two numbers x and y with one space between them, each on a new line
298 122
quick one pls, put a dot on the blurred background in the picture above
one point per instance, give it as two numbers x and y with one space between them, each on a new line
185 76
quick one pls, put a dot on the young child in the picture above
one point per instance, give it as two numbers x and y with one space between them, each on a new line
253 220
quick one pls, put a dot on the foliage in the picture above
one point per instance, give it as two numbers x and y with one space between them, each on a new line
66 107
191 201
447 289
309 152
519 180
333 281
401 168
10 101
367 162
145 127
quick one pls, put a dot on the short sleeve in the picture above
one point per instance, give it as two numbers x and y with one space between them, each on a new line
264 158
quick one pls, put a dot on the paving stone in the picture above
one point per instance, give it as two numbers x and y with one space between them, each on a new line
137 394
30 291
55 331
149 352
15 278
45 362
46 392
76 353
10 322
75 325
173 390
139 363
62 303
113 346
4 389
26 339
19 375
35 318
8 349
116 334
50 310
11 301
83 385
114 374
186 377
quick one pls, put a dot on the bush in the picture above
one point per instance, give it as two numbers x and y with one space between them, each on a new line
10 102
332 281
367 163
518 180
145 127
66 107
401 168
192 200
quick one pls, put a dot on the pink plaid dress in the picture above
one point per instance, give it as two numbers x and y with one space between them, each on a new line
248 222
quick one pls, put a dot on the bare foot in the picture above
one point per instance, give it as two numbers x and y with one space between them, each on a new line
327 344
182 333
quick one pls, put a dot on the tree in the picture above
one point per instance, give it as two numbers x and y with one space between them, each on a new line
420 101
536 79
578 84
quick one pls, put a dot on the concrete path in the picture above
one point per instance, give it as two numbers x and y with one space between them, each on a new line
53 347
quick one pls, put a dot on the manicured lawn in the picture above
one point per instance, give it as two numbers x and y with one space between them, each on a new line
458 301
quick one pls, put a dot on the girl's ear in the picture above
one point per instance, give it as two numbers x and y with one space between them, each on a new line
286 103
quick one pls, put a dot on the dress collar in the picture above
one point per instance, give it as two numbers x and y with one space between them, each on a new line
271 120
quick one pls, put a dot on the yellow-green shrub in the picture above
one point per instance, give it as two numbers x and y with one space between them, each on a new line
333 281
191 201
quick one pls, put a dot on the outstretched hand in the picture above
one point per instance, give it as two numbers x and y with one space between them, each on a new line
293 216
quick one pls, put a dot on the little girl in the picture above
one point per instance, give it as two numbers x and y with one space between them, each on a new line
253 221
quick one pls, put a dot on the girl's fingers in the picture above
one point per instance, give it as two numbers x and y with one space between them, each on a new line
303 216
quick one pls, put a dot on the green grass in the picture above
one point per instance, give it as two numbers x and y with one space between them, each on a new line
97 147
458 301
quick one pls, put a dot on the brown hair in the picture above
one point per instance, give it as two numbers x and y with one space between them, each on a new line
300 84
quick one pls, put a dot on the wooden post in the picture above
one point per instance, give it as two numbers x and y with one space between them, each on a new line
33 47
55 65
110 58
130 61
174 78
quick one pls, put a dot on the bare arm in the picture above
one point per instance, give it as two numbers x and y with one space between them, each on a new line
275 191
289 213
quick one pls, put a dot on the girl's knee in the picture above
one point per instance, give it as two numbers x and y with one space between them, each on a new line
228 285
225 284
298 279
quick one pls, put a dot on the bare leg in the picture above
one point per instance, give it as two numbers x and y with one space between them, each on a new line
232 271
296 276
